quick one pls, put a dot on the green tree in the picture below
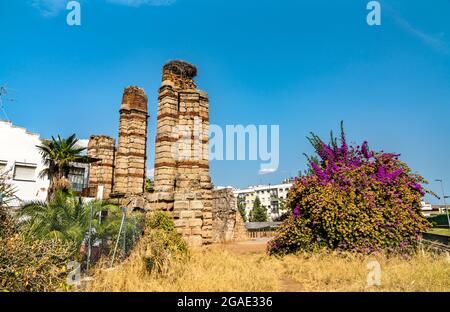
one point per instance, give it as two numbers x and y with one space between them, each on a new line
241 208
149 185
259 213
58 155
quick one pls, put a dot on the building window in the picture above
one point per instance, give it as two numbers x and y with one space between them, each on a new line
77 179
25 172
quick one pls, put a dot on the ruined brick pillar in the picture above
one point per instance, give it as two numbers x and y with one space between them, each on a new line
131 156
101 149
182 178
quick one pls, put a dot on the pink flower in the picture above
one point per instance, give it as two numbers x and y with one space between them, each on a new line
296 211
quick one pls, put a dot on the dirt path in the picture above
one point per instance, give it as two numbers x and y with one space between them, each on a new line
258 247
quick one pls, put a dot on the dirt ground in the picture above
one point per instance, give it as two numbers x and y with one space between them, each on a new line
255 246
258 246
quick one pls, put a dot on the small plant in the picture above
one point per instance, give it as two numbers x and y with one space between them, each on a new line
162 221
149 185
161 244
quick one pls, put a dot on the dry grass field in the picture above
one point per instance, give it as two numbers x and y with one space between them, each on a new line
246 267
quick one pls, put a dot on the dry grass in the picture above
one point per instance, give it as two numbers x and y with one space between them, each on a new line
213 269
325 272
231 268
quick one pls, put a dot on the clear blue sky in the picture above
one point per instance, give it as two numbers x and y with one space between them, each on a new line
304 65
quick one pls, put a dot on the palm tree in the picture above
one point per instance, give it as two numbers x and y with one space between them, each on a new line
64 217
67 217
58 156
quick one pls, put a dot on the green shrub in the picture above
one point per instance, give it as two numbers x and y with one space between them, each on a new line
161 220
293 235
439 220
161 243
159 248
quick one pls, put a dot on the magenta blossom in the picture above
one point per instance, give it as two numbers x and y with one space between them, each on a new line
296 211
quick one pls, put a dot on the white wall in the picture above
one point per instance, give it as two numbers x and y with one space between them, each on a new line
18 145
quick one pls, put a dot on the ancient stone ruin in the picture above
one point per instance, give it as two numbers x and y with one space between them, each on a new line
227 221
182 184
131 154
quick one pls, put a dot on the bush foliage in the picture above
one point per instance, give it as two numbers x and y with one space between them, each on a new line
439 220
160 243
353 199
40 265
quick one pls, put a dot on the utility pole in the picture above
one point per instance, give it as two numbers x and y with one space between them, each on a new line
443 198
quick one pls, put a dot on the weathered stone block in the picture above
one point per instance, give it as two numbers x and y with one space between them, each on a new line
195 222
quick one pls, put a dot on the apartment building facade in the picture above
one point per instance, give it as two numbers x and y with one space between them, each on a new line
272 197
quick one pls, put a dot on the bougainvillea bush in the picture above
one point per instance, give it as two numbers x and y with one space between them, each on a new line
353 199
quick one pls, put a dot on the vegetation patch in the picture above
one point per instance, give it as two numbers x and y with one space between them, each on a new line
353 199
219 268
439 220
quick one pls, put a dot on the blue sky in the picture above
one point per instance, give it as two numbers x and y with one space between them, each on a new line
304 65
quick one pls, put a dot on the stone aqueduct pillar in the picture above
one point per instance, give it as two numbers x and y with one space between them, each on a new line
182 182
102 149
131 156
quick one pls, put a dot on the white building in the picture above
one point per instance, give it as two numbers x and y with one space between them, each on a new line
20 158
272 198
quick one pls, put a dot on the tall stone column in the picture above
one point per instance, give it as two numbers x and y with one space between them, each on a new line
131 156
101 148
182 178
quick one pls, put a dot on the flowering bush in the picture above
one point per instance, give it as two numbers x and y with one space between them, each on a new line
353 199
